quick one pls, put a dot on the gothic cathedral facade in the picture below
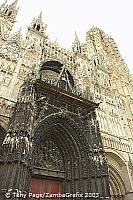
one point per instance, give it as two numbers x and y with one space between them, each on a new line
68 104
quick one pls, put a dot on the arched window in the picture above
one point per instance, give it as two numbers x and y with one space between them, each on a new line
54 72
6 11
9 14
38 27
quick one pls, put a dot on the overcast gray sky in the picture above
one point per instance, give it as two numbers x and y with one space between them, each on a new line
64 17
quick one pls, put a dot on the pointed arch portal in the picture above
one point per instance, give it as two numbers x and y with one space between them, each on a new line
64 143
54 144
60 152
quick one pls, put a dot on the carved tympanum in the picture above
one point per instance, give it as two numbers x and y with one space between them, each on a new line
48 155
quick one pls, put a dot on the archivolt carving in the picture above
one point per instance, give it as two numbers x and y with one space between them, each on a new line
67 123
117 186
63 150
61 145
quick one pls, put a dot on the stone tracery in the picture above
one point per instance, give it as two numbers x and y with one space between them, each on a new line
99 54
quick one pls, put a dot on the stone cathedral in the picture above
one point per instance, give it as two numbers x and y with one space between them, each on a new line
66 116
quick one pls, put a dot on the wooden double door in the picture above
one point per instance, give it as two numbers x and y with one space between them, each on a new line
40 186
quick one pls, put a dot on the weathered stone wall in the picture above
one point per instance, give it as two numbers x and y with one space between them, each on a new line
98 70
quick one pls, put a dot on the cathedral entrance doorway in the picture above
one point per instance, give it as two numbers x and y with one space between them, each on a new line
58 148
57 156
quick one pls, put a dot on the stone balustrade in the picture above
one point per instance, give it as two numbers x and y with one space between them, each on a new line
117 143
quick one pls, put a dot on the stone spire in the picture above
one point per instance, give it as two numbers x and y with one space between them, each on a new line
38 25
9 11
14 4
76 47
8 15
3 5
